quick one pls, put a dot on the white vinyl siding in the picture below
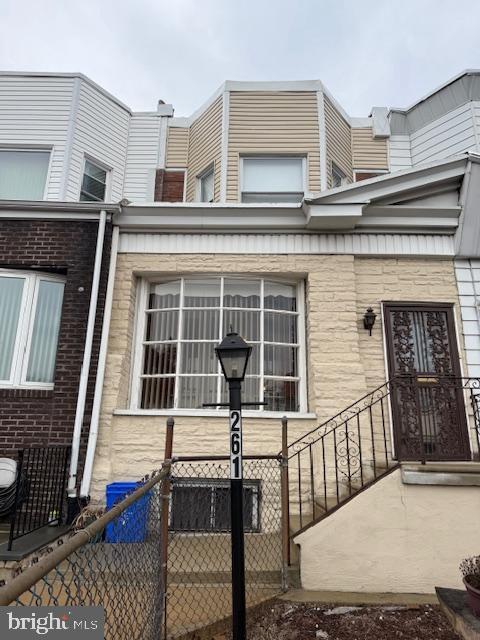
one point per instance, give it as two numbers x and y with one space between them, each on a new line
400 152
30 313
23 174
101 132
35 112
451 134
142 157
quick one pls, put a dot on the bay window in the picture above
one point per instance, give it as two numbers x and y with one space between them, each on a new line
23 174
181 321
30 312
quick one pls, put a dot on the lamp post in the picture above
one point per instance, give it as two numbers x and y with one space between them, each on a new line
233 353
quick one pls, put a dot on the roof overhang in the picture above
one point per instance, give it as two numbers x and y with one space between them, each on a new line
53 210
420 200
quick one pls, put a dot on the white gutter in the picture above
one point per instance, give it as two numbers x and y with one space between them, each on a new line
102 357
82 387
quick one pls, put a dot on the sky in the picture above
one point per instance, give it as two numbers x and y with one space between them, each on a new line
367 53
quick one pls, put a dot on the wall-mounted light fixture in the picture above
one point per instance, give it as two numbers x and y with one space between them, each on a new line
369 319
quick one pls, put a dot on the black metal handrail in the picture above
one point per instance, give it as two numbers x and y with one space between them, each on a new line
354 448
40 490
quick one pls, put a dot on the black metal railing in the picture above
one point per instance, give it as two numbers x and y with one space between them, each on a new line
409 418
39 490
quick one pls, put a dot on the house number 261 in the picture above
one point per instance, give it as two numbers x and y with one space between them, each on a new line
235 445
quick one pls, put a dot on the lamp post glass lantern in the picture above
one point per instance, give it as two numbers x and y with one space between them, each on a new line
233 353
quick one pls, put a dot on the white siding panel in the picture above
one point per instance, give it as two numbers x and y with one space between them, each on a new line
400 152
101 132
142 157
36 111
242 243
451 134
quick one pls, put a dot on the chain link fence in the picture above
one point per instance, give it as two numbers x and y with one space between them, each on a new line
159 561
199 550
115 562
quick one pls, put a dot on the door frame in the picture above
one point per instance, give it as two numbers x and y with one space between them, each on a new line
454 343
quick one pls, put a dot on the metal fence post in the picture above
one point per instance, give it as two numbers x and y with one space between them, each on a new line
165 496
285 505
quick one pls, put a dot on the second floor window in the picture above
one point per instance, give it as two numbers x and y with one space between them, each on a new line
30 312
23 174
272 179
94 183
206 185
338 177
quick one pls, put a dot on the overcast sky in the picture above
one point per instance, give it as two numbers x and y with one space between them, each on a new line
368 53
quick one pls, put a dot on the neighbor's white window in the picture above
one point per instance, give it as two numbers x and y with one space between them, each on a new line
94 183
206 185
338 176
23 174
272 179
30 311
180 323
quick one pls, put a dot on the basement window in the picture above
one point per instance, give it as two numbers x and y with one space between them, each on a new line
203 504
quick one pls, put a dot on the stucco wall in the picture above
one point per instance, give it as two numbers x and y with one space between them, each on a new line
343 362
393 538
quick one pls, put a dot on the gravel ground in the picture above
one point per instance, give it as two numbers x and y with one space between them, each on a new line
281 620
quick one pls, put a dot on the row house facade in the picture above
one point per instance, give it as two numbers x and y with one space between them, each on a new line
344 249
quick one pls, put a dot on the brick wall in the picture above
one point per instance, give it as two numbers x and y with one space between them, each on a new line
34 417
169 186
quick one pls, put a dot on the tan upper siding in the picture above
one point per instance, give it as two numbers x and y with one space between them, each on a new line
368 152
177 147
205 147
339 142
272 122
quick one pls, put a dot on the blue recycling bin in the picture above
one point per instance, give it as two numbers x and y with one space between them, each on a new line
131 525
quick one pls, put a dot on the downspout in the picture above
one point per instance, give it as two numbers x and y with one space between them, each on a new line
102 358
84 373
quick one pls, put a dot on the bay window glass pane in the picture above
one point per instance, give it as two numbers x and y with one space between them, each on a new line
250 391
195 390
164 296
280 327
43 348
199 324
23 174
275 175
207 187
280 361
199 357
241 293
94 183
162 325
281 395
157 393
159 359
245 323
279 296
11 291
202 292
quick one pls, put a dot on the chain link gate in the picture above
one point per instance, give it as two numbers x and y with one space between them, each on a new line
199 548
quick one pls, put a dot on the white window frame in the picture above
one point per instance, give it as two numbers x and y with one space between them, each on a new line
143 286
343 178
201 176
23 338
108 178
32 148
270 156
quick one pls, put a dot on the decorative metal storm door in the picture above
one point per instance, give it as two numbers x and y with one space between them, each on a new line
429 420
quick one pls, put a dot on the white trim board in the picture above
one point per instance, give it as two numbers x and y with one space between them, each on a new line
358 244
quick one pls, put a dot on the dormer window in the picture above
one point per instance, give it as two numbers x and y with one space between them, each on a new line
206 185
94 183
272 179
338 177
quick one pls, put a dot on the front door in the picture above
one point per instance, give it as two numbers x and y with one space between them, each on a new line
429 420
